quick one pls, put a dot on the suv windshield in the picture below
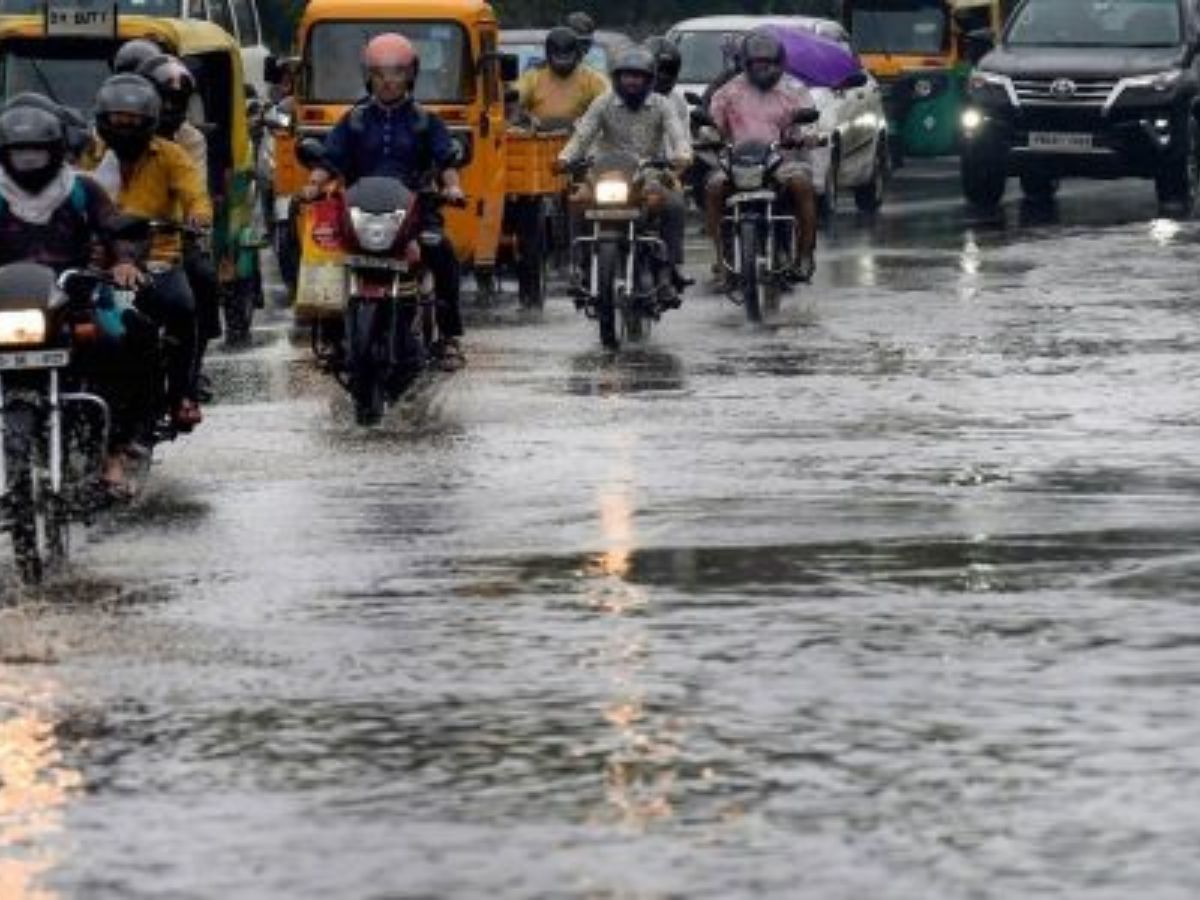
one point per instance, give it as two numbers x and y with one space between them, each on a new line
908 26
1096 23
335 70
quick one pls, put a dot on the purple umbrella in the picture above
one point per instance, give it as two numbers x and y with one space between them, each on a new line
815 60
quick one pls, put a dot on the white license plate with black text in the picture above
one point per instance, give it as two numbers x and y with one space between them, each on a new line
1061 141
34 359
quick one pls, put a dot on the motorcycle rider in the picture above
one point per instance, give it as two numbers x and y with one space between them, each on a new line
389 134
563 89
176 86
52 215
631 118
583 25
760 105
667 64
153 178
131 54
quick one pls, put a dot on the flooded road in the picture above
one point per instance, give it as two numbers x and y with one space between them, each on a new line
894 598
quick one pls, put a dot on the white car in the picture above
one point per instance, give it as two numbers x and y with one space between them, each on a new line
852 119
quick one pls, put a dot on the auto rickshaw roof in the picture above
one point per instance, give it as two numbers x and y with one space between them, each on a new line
458 10
182 35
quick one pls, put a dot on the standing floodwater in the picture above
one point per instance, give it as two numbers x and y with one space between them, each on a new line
894 598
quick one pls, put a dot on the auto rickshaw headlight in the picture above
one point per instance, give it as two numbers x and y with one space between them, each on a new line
376 232
612 192
21 327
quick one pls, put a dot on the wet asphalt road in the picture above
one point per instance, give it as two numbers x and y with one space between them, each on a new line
894 598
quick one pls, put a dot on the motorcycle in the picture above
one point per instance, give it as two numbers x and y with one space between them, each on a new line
757 241
388 327
619 252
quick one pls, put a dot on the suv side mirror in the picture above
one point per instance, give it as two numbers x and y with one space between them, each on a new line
979 44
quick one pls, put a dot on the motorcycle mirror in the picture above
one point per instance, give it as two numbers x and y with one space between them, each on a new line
701 118
854 80
311 152
693 98
806 116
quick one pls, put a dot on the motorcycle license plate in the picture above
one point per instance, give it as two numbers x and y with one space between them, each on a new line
34 359
1060 141
612 215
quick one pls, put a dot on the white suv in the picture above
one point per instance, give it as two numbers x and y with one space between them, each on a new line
853 120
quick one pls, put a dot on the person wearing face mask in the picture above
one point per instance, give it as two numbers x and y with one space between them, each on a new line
389 134
154 178
632 118
52 215
760 105
563 89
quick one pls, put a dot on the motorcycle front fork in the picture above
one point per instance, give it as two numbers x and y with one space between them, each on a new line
778 228
634 245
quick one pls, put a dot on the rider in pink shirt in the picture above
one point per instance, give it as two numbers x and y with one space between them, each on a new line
760 105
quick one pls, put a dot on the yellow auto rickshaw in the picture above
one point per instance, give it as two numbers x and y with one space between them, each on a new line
69 68
462 79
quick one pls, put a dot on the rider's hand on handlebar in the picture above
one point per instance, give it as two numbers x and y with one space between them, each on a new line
127 276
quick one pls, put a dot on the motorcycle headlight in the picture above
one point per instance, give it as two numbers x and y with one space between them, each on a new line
612 192
22 326
748 178
376 232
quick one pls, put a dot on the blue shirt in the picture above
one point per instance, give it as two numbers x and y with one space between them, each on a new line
374 139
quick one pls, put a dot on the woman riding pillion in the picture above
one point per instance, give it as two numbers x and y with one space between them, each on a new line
153 178
54 216
389 134
632 119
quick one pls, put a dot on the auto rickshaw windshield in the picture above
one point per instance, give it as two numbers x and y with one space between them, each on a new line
69 78
334 51
171 9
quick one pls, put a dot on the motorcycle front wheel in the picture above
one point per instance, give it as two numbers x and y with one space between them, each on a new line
39 528
609 264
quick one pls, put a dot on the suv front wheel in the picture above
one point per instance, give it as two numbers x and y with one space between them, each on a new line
1178 181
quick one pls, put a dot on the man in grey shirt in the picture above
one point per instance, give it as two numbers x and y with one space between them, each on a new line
631 118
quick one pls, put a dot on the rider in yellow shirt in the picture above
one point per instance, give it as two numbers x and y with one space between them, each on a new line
563 89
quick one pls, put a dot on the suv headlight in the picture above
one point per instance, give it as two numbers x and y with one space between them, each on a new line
612 192
22 327
983 82
376 232
1158 81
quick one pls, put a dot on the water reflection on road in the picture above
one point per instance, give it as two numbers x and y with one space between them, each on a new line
894 597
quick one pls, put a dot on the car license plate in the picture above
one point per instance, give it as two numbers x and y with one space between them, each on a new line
1063 141
34 359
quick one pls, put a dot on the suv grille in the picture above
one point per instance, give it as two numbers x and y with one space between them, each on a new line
1067 91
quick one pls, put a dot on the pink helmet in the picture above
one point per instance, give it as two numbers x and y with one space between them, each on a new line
391 50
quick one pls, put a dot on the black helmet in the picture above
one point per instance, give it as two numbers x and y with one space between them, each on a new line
175 85
132 54
667 63
633 61
764 57
78 132
581 23
33 145
137 102
562 50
